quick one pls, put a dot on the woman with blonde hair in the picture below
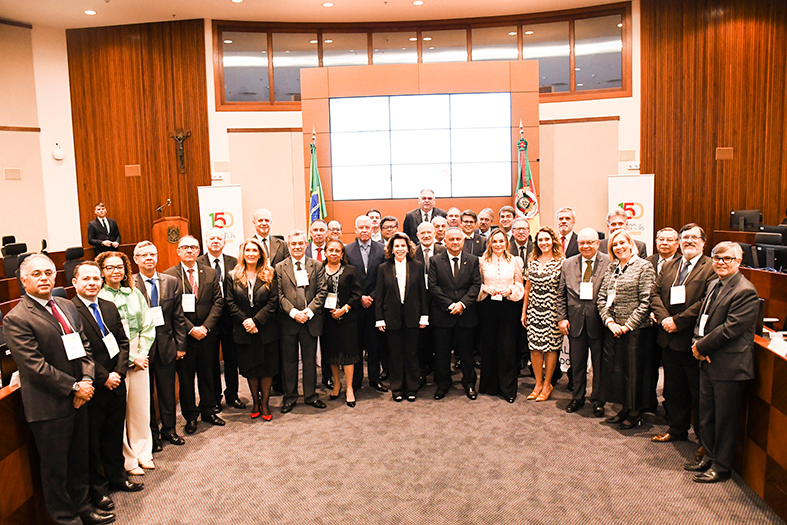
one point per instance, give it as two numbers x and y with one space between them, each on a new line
539 309
253 300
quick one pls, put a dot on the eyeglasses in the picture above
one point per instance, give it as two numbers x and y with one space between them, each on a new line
690 238
189 248
520 229
667 239
389 227
723 260
113 268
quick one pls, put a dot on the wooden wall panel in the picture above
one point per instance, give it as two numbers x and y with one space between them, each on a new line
130 87
713 76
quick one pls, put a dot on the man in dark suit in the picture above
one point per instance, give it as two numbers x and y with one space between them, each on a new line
440 227
454 283
565 227
506 216
273 246
485 219
519 242
202 305
56 370
676 301
423 254
107 410
617 219
318 231
577 316
666 249
425 212
474 243
165 297
366 256
223 264
723 343
302 292
103 233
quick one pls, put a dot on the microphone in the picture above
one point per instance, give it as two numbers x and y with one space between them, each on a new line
161 208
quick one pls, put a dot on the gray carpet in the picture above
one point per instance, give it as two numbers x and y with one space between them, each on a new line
448 461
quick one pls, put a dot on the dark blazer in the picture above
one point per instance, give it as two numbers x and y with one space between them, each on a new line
729 330
415 217
96 234
437 249
266 305
572 247
475 246
368 277
513 249
314 256
685 315
349 292
209 301
230 262
34 338
103 364
445 289
388 307
171 336
643 249
278 250
315 294
580 314
654 260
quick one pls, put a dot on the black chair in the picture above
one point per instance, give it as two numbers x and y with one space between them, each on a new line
74 256
11 254
43 246
768 238
59 291
749 255
21 258
601 236
8 239
781 228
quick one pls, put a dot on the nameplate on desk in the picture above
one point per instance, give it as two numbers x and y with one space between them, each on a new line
778 346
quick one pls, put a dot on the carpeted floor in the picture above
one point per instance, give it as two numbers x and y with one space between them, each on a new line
449 461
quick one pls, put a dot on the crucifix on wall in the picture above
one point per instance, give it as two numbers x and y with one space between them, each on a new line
179 137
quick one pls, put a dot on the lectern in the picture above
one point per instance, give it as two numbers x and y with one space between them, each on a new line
167 231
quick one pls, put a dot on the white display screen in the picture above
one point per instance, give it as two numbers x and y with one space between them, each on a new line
392 147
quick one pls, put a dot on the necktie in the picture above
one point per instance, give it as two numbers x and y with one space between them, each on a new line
427 256
365 256
659 265
456 265
563 242
588 271
319 254
106 224
192 281
59 317
300 291
153 293
522 252
426 217
265 247
684 272
712 297
97 315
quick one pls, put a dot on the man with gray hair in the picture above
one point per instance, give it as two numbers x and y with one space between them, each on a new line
335 231
485 218
440 227
618 219
275 248
425 212
565 226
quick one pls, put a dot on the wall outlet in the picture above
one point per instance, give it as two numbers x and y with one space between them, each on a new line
633 165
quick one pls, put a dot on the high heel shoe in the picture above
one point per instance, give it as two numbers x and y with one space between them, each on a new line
350 402
617 418
333 397
630 422
267 417
255 415
544 395
534 394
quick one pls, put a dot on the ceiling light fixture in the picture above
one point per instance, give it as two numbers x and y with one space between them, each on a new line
228 41
312 41
529 32
90 12
512 33
328 4
413 39
329 41
427 38
580 85
577 69
237 1
418 2
620 25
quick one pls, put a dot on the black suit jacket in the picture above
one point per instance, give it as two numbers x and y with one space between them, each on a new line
278 250
643 249
368 277
729 330
445 289
684 315
266 304
230 262
475 246
103 363
572 248
34 338
437 249
415 217
171 336
314 293
388 306
654 260
96 234
209 301
580 313
513 249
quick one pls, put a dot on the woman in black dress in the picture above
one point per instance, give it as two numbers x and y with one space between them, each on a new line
253 300
339 340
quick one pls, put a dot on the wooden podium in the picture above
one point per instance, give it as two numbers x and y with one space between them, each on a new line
167 231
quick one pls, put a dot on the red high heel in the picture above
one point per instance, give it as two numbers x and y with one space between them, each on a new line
255 415
267 417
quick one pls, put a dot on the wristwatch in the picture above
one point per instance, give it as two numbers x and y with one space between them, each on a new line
75 387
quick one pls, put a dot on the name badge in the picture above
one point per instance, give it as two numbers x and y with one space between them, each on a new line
74 347
189 303
426 281
126 327
112 345
330 301
301 278
157 316
586 291
703 320
497 297
677 295
611 298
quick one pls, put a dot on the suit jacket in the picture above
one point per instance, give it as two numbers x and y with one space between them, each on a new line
103 363
266 305
437 249
348 292
513 249
445 289
207 311
368 277
34 338
96 234
278 250
654 260
388 307
643 249
729 330
415 217
580 314
229 264
314 293
171 336
685 315
572 248
475 246
314 255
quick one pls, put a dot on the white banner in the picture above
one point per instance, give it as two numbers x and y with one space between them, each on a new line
634 194
222 207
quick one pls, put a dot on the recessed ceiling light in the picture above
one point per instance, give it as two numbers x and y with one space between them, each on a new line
427 38
237 1
431 47
418 2
312 41
90 12
529 32
413 39
329 41
228 41
512 33
327 4
580 85
620 25
577 69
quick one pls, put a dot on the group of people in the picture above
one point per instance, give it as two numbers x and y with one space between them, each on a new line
449 287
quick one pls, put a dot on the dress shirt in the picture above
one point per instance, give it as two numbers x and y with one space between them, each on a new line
377 237
500 273
401 276
212 260
484 234
318 255
45 304
585 262
87 302
451 261
365 247
427 216
692 264
295 263
149 285
133 309
265 245
195 273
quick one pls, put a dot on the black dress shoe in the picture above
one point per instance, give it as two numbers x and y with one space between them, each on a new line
711 476
398 398
411 398
237 403
173 438
217 408
287 407
630 422
617 418
570 386
105 503
157 446
213 419
598 411
574 405
511 399
471 393
97 518
328 384
317 403
698 466
379 387
441 392
126 486
191 427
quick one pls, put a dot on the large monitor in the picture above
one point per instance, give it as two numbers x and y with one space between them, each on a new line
772 256
745 220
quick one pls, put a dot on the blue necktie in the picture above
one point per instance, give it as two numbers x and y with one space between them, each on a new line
97 315
153 293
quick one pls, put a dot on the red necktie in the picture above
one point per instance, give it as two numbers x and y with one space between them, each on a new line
319 254
563 241
192 282
59 317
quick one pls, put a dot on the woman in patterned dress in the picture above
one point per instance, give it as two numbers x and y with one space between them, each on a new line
539 309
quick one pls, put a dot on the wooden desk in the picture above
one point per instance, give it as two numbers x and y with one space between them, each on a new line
734 236
771 286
